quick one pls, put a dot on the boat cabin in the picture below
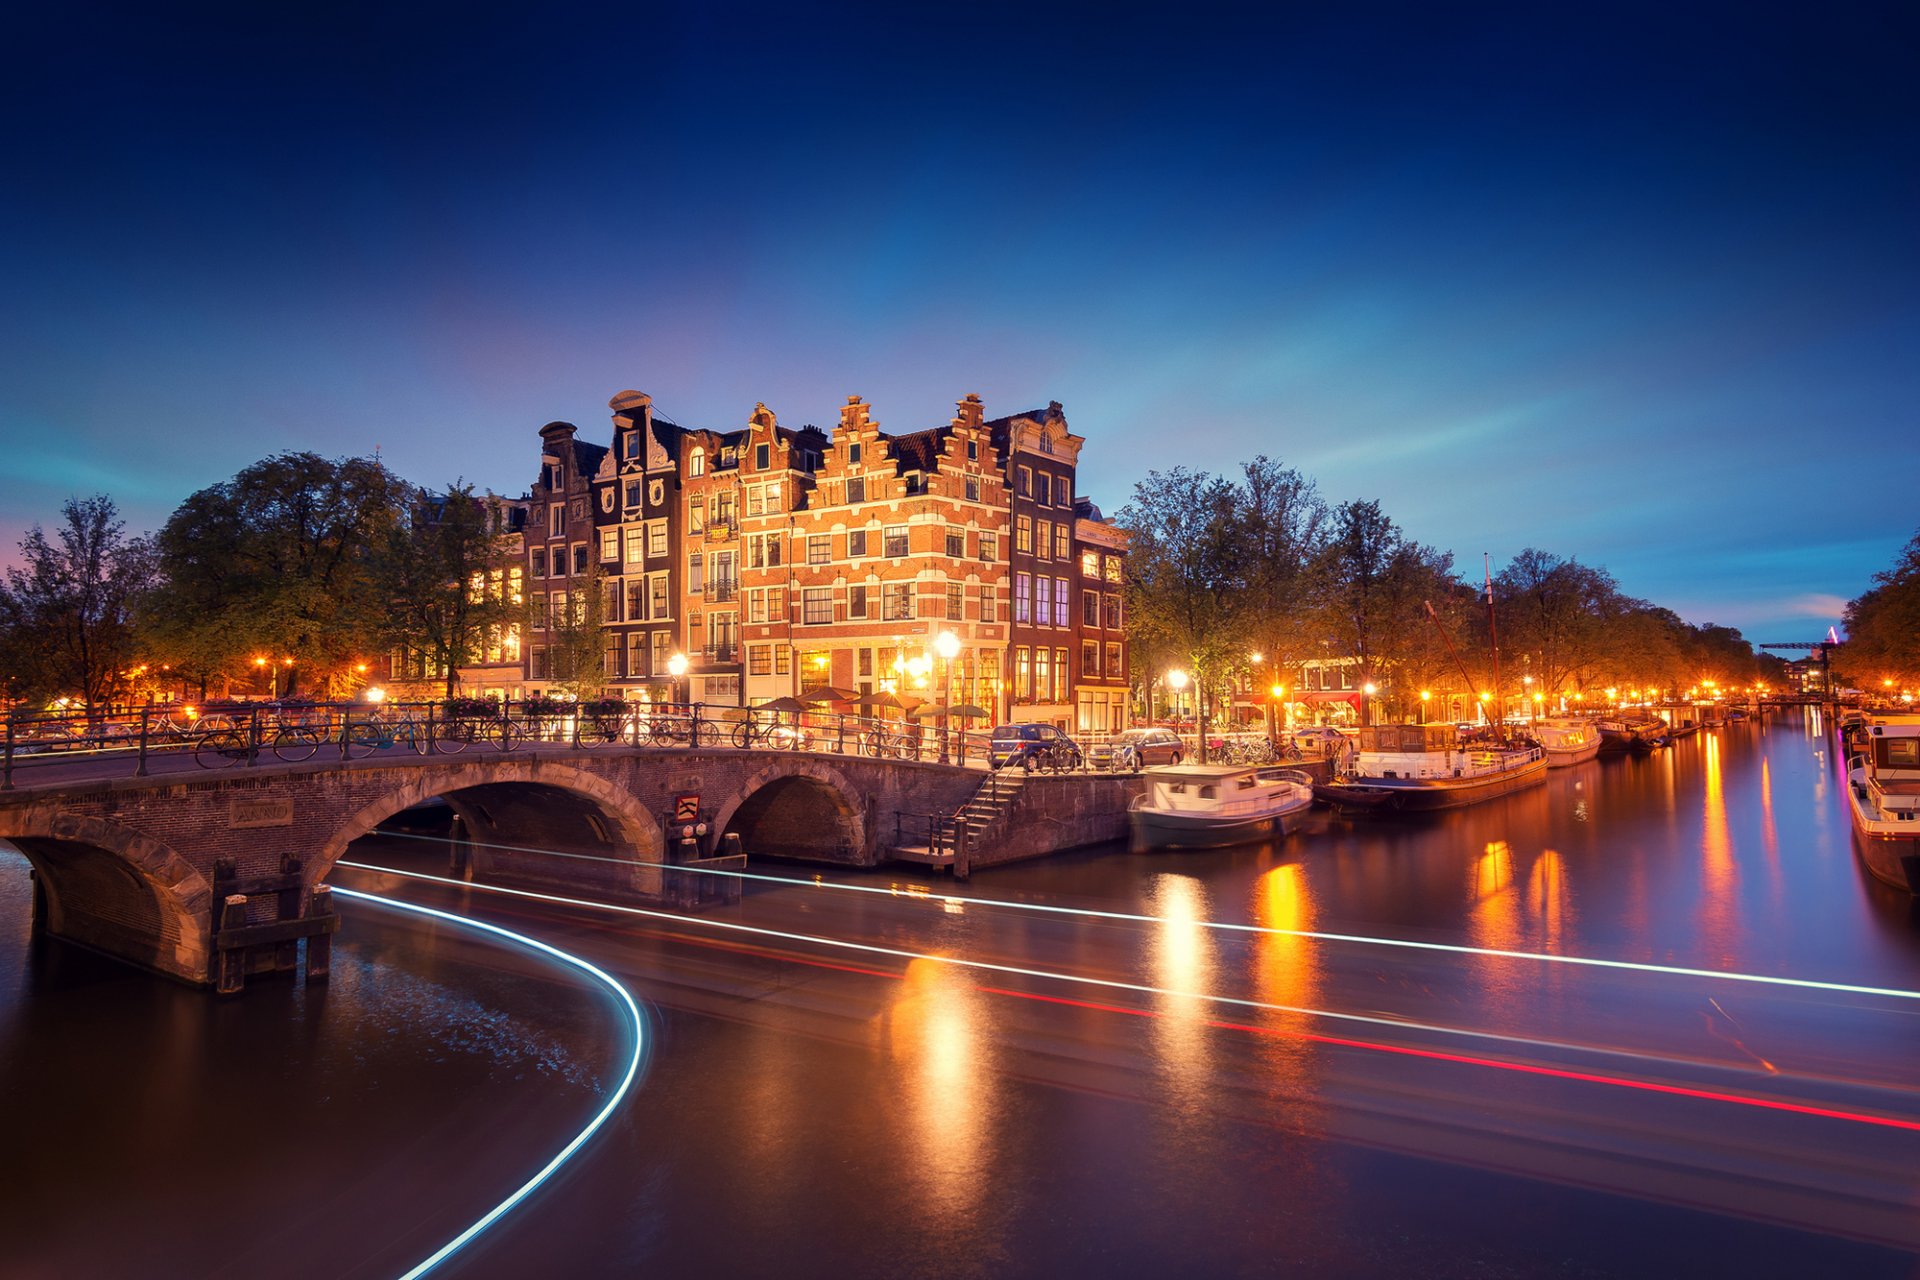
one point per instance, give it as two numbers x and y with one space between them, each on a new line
1219 788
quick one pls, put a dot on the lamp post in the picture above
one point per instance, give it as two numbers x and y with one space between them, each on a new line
261 664
677 668
1426 696
947 645
1367 691
1177 681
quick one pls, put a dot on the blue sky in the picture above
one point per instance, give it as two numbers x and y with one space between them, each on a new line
1631 285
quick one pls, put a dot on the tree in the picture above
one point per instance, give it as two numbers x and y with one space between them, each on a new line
575 640
1883 626
1553 618
1185 584
1375 585
279 561
1282 534
433 572
67 613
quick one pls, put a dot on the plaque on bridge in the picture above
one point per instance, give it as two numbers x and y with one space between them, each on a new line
686 807
254 812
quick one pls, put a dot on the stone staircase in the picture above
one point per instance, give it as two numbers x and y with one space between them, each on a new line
979 818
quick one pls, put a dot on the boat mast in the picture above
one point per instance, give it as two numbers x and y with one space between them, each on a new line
1493 638
1451 651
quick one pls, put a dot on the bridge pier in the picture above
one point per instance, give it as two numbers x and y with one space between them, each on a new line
244 944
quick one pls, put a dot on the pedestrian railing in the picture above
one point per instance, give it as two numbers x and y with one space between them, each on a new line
252 734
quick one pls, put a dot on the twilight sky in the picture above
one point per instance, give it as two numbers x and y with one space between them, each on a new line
1635 285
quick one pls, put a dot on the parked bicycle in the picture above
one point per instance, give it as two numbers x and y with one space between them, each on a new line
376 733
902 744
222 748
681 731
1055 757
770 735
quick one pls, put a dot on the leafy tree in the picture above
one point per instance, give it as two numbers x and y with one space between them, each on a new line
1375 584
1282 534
575 639
433 574
67 612
1883 626
279 561
1185 568
1553 616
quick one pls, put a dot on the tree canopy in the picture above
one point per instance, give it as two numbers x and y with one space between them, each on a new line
67 613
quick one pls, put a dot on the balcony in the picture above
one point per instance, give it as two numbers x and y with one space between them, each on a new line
725 651
721 590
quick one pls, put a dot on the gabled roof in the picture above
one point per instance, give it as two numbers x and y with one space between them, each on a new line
919 451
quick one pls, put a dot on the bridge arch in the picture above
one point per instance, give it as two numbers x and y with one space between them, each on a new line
798 807
534 820
108 887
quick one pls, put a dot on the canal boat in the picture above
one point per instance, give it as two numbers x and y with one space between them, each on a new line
1631 733
1204 805
1883 792
1567 740
1415 768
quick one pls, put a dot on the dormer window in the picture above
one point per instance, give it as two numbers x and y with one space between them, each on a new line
556 477
973 451
697 463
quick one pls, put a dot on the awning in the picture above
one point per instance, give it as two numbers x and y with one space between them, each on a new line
1351 699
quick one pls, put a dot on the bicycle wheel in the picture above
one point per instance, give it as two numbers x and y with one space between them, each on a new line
221 749
876 744
413 734
295 744
705 733
744 735
450 737
906 748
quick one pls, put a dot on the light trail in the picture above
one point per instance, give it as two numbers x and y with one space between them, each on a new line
1225 926
566 1153
1112 984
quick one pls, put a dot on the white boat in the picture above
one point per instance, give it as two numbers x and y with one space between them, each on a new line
1414 768
1883 791
1567 740
1201 805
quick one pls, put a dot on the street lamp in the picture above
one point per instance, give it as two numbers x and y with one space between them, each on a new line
677 667
947 645
260 664
1426 696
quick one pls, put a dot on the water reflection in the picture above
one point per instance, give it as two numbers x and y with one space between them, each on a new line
1719 900
1286 969
1183 966
947 1069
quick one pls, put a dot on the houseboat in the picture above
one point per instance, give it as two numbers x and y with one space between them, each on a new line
1567 740
1883 792
1203 805
1631 733
1415 767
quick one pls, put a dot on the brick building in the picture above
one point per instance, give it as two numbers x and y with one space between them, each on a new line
777 560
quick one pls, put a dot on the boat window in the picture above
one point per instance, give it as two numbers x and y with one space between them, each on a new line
1209 792
1246 784
1178 788
1902 751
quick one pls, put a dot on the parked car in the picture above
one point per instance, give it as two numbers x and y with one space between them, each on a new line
1031 746
1136 747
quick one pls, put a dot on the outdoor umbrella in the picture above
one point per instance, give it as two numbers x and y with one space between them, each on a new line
825 693
942 709
784 704
879 700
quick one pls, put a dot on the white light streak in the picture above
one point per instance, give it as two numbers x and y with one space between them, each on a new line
527 1188
1407 944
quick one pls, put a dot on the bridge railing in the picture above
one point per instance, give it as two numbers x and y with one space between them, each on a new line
250 734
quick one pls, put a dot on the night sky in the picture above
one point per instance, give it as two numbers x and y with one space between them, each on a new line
1632 285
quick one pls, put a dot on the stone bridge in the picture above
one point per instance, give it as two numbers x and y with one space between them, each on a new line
206 877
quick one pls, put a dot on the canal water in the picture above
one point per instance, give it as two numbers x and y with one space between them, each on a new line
804 1113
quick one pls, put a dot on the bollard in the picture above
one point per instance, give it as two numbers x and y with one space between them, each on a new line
230 963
